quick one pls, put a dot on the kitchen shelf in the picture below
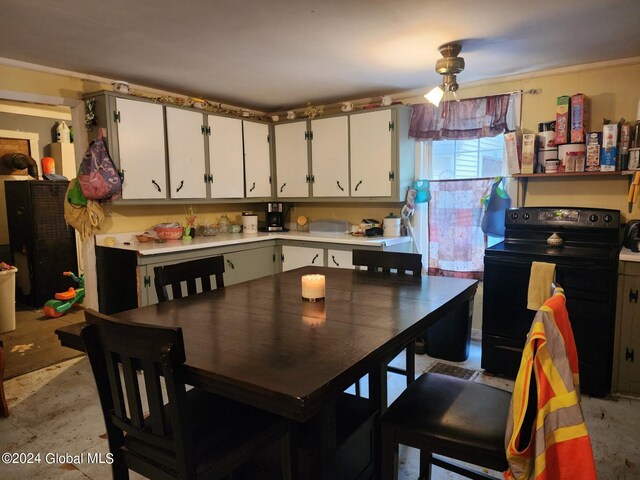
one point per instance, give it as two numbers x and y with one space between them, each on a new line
526 176
573 174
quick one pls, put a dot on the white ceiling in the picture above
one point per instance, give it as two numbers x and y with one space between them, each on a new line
275 54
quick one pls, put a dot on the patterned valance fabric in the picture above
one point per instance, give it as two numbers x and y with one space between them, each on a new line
467 119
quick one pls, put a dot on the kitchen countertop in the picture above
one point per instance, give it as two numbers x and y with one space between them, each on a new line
127 241
627 255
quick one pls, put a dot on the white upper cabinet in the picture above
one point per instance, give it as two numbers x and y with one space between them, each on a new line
257 162
371 155
185 144
141 155
292 166
330 157
226 157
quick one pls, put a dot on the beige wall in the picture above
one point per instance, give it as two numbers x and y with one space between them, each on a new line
614 89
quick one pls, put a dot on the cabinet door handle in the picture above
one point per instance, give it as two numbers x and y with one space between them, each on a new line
253 187
211 178
629 354
282 187
231 265
313 261
156 184
180 186
357 185
633 296
333 258
339 186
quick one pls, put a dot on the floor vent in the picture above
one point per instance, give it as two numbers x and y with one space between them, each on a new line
452 370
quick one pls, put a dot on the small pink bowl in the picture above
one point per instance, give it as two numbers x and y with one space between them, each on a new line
169 233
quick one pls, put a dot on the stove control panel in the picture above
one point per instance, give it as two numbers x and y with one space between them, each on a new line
567 217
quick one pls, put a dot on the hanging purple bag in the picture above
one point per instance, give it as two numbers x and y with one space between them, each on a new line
98 177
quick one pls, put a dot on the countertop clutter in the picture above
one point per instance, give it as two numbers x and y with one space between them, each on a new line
127 241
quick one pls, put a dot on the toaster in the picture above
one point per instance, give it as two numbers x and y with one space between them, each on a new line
631 237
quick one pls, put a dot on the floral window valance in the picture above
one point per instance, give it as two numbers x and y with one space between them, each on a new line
467 119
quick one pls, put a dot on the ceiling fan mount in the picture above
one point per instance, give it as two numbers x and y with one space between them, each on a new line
450 64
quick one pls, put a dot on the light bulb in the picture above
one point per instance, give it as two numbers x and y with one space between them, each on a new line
435 95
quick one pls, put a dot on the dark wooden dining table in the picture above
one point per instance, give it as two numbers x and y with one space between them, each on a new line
258 342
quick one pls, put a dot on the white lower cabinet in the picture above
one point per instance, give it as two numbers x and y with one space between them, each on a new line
245 265
296 257
340 259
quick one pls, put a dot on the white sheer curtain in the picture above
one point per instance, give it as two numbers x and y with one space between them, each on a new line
421 213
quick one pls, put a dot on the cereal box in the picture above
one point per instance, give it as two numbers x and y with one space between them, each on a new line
580 106
593 158
528 152
512 151
609 150
563 120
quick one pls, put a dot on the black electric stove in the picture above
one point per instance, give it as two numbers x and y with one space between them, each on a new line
586 267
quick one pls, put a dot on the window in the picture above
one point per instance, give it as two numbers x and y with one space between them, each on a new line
461 159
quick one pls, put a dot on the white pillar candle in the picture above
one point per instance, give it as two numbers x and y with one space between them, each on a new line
312 287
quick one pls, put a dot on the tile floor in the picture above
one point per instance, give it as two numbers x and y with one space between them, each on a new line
55 412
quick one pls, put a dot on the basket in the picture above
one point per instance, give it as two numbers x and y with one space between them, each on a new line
169 233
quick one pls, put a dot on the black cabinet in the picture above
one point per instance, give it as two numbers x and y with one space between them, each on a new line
42 245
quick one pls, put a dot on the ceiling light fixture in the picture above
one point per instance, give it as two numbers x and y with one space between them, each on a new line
448 66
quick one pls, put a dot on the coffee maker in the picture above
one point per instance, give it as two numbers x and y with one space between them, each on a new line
275 217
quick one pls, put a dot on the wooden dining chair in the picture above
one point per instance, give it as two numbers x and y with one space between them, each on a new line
400 264
154 425
171 277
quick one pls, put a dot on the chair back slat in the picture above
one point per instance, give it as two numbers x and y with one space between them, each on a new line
132 387
155 398
171 277
380 261
112 367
